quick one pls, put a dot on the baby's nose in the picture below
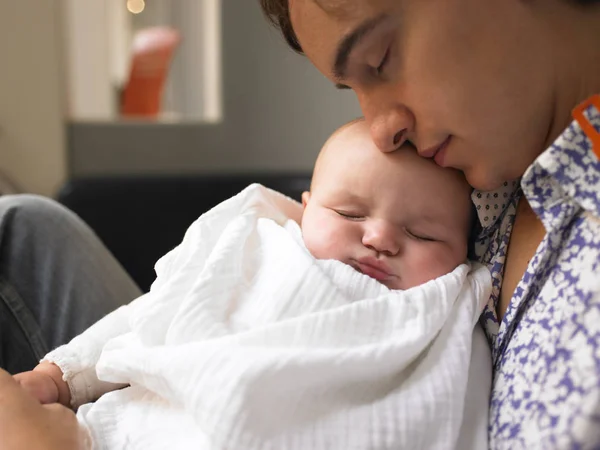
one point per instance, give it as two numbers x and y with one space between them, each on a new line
382 238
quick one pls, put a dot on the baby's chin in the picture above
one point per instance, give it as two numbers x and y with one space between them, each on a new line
395 285
403 284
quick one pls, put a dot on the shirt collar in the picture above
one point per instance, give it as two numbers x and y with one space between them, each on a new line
491 205
568 170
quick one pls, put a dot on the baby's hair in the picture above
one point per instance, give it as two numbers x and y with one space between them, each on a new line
278 13
328 141
346 125
339 130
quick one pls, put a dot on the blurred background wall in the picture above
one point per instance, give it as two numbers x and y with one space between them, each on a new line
33 147
236 99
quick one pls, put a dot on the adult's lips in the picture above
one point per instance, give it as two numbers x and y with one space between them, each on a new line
437 152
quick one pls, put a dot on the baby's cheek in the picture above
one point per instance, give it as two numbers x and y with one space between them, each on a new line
324 242
430 263
444 261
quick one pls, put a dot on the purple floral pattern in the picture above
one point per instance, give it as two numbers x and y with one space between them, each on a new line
546 350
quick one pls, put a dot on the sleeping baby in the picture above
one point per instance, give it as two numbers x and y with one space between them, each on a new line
346 322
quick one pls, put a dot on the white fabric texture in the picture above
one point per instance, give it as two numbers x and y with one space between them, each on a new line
246 341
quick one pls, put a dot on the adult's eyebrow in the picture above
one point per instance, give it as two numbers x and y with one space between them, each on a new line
350 41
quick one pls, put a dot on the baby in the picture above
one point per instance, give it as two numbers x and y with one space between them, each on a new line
356 330
396 217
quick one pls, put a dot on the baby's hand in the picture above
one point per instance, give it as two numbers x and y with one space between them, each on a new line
45 383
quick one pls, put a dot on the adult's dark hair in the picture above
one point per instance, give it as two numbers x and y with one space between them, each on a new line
278 13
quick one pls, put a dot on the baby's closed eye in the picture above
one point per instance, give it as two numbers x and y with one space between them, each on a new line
419 236
349 215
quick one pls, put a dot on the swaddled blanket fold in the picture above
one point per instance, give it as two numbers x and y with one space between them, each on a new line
246 341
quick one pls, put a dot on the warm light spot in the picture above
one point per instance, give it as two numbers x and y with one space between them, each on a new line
135 6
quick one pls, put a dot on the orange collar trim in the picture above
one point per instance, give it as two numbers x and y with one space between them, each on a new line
586 126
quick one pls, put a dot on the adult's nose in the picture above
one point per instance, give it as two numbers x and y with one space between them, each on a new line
390 121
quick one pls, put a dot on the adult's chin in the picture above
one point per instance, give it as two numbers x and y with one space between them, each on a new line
486 179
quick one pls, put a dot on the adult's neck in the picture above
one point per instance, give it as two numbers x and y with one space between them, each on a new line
574 34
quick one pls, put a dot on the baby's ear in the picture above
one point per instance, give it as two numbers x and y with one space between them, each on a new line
305 198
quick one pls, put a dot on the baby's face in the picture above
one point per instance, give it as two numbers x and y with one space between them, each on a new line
396 217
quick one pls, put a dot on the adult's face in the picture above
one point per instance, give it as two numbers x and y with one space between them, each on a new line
465 80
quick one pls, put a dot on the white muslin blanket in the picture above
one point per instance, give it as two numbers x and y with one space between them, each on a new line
246 342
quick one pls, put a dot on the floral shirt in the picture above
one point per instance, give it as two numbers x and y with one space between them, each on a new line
546 350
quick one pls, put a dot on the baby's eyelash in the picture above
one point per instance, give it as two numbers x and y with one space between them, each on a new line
349 215
419 237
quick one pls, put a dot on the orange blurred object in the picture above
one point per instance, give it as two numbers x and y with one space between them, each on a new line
153 50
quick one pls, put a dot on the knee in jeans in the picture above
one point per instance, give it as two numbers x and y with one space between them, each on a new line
34 210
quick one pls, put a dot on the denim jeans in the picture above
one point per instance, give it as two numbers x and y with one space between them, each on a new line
56 279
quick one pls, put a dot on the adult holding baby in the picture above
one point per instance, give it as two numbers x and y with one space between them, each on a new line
484 87
488 87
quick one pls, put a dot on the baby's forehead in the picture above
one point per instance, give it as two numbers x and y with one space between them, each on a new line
351 157
396 189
